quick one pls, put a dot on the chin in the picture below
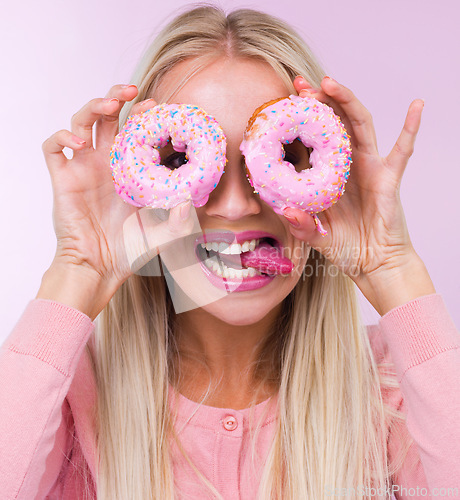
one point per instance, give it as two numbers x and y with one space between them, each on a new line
238 315
247 308
238 308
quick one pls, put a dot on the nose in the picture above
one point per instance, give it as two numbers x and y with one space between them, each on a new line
233 198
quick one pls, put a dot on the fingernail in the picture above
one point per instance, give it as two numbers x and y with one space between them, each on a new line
78 140
310 91
329 78
291 219
108 99
185 210
146 101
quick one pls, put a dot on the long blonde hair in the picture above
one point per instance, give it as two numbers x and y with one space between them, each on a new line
331 421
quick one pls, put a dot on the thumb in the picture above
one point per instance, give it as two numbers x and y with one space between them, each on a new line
151 230
180 220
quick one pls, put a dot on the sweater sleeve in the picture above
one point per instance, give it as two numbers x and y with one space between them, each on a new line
37 363
424 345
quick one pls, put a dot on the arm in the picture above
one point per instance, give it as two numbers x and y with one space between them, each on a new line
424 346
367 238
37 364
99 244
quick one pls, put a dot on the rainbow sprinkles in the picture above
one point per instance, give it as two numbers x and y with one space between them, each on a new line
281 121
140 178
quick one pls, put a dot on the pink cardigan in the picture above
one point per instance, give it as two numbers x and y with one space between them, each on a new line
47 394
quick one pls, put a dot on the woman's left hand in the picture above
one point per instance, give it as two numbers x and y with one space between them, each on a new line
367 236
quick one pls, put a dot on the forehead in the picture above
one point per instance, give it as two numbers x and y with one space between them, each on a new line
226 88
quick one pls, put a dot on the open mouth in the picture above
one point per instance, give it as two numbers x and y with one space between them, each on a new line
241 261
233 260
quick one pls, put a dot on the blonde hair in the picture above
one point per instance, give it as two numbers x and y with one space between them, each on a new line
331 422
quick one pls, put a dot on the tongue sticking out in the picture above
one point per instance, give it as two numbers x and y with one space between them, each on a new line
264 258
267 259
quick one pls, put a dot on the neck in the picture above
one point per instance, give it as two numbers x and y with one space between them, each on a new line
225 355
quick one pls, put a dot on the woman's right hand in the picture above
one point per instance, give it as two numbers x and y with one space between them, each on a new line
98 234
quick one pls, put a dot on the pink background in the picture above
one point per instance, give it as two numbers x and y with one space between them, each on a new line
56 56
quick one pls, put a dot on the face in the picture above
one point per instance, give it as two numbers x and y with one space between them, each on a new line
230 90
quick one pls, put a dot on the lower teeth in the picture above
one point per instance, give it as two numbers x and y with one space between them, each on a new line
229 272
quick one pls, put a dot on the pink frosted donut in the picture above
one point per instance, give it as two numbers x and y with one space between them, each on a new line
140 178
281 121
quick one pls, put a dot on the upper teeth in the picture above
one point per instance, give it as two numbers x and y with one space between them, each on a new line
234 248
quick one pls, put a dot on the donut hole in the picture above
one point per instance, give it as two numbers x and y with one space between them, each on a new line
297 154
172 158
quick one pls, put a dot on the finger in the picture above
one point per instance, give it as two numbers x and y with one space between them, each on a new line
404 146
107 124
82 122
319 95
301 83
303 226
142 106
53 147
146 233
105 137
357 115
305 89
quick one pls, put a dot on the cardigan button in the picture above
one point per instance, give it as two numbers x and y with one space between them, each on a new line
230 423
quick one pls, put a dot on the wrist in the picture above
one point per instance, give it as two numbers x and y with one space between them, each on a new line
77 287
395 285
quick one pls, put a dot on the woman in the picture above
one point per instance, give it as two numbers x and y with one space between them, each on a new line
295 398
